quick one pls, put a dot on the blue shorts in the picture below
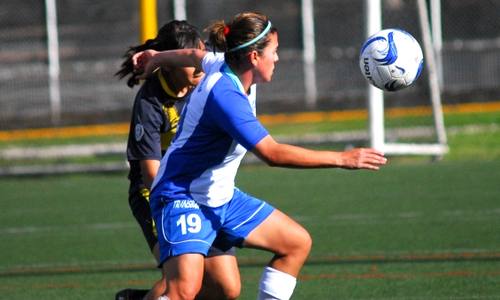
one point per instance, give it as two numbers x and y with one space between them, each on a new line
186 227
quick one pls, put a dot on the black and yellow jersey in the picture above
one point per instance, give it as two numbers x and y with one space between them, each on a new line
155 116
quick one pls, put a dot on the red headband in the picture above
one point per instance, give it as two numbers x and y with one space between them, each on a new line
226 30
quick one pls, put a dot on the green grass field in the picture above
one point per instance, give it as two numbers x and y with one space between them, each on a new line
410 231
414 230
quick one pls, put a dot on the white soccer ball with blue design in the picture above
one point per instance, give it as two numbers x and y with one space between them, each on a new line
391 59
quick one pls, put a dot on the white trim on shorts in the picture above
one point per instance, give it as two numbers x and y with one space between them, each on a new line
251 216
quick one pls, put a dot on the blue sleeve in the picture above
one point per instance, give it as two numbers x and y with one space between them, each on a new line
231 111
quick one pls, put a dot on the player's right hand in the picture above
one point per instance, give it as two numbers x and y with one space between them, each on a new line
363 158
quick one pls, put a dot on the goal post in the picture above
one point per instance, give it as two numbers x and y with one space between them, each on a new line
148 19
373 21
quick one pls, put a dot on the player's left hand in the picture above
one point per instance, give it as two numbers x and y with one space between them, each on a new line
144 64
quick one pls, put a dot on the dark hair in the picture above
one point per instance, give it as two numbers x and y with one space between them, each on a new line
242 28
173 35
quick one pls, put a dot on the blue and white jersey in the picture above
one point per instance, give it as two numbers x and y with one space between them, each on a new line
218 125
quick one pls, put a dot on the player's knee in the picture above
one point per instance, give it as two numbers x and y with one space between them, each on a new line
159 288
232 291
299 246
306 243
185 290
187 293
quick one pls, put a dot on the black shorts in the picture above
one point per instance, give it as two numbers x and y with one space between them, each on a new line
139 204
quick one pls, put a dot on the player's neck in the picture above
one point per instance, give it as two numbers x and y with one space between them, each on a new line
176 89
246 78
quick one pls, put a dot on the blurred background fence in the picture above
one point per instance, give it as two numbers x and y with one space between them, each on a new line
93 35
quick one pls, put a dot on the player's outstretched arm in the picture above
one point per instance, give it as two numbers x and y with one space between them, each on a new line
145 62
284 155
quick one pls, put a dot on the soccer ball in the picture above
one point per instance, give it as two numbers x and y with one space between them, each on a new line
391 59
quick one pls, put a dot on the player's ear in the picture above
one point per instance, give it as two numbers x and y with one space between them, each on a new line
253 57
202 46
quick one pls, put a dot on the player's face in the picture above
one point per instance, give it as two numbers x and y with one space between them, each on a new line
189 76
185 77
266 60
193 75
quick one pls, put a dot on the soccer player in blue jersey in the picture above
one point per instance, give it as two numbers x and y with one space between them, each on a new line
194 199
154 122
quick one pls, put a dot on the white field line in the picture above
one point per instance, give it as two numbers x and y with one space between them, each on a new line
427 297
62 151
457 216
23 230
13 153
83 264
64 168
348 137
149 262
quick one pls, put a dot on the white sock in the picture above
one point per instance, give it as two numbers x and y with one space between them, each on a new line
276 285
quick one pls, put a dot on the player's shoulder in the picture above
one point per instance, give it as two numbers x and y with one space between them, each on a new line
226 95
225 86
212 61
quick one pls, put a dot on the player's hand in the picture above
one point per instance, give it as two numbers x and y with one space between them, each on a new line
363 158
144 64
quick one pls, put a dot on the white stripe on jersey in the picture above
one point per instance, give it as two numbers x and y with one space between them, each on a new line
204 157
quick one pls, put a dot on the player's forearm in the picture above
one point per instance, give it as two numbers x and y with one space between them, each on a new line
179 58
284 155
149 169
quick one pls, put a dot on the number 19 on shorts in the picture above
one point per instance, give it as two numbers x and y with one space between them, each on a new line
191 223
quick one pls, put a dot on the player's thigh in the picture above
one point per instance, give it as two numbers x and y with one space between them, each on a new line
222 278
280 234
184 274
223 269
